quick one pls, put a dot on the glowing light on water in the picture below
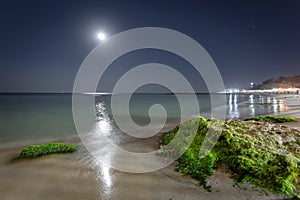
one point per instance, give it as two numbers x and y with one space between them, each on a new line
275 105
282 106
233 107
235 102
106 177
103 129
251 106
103 125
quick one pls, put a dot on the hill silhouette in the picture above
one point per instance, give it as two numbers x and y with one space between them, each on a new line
280 82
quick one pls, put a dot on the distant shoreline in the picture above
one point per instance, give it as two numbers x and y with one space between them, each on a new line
151 93
143 93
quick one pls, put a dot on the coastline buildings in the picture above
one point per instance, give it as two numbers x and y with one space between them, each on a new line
264 91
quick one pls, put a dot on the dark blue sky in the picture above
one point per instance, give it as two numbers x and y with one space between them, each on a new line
44 42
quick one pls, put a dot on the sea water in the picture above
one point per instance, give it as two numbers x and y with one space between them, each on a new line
37 116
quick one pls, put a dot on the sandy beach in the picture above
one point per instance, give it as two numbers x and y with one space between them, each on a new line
78 176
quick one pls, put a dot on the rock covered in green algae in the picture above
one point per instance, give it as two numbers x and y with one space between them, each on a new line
273 119
262 153
37 150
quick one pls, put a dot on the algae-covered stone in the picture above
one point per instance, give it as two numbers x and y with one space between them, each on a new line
273 119
37 150
259 152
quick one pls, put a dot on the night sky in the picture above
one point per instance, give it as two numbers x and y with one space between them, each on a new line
44 42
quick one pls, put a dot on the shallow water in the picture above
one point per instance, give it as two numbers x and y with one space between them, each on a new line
36 116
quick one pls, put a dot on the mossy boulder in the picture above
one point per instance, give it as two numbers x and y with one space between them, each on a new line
265 154
37 150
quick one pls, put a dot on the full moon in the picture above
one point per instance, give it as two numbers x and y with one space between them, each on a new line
101 36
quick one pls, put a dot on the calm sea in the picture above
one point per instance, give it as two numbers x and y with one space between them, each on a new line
36 116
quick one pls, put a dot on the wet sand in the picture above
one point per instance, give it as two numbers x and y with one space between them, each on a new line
78 176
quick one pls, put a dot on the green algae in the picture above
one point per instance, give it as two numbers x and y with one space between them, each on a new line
37 150
190 163
264 154
273 119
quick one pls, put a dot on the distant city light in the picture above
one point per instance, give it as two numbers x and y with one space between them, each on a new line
232 90
291 90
